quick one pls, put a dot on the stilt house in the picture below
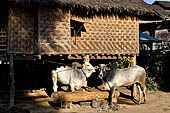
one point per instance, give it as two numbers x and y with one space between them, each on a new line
66 29
73 28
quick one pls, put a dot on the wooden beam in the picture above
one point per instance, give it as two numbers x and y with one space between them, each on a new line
156 21
119 57
104 57
71 57
79 57
100 56
23 57
92 57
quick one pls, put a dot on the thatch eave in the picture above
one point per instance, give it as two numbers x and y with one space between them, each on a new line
94 7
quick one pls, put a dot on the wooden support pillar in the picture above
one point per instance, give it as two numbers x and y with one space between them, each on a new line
133 63
87 58
12 82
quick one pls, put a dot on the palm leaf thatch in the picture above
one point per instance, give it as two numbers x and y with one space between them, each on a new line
128 7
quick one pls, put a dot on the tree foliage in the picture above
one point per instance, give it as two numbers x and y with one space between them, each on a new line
157 67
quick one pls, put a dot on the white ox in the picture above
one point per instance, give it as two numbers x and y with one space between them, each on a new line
74 76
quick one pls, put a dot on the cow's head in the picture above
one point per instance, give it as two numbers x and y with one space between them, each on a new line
106 72
102 68
88 68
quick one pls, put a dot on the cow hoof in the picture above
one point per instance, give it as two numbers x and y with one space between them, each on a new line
67 105
136 101
144 102
55 91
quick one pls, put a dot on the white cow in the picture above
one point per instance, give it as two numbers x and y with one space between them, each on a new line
74 76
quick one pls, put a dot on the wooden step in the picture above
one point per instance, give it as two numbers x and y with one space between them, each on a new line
3 49
3 36
3 40
3 45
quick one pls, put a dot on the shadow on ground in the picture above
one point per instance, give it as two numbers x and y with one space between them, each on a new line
35 102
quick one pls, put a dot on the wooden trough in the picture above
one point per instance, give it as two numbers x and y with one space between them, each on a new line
80 96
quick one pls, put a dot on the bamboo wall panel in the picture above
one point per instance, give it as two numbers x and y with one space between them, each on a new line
21 32
54 31
104 35
108 35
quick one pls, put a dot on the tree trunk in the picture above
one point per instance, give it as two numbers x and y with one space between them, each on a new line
12 82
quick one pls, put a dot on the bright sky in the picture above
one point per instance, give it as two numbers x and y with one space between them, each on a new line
151 1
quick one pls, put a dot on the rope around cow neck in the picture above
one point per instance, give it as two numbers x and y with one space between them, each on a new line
84 73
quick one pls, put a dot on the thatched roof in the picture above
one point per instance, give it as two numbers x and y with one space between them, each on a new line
129 7
164 4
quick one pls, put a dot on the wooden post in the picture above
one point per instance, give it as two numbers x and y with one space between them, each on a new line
12 82
133 63
87 58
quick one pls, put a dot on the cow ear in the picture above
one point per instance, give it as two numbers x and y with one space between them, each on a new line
107 68
96 67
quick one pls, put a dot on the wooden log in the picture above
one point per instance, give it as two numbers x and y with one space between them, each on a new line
79 96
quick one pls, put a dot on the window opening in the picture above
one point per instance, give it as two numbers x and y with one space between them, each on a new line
76 28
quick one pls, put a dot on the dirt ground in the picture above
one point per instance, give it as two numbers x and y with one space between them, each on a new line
39 102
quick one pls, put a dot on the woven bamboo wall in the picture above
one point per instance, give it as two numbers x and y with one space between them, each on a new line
21 32
108 35
54 31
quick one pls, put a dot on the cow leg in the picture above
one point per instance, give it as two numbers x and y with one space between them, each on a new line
72 87
111 95
140 93
77 87
134 91
54 79
144 93
85 84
